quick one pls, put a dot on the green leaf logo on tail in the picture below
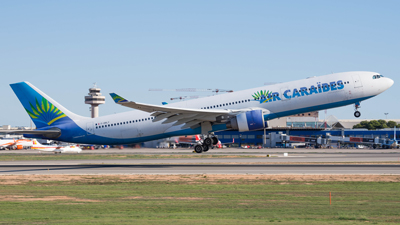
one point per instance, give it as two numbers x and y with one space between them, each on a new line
44 111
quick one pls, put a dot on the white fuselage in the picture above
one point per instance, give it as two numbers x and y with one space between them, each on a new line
286 99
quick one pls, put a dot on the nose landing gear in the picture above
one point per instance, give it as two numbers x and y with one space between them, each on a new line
356 106
357 114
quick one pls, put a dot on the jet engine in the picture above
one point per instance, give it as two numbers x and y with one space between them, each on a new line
250 120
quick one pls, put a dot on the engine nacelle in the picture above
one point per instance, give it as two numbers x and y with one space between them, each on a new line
250 120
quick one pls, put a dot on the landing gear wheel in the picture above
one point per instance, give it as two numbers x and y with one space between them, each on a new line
198 149
206 148
357 114
214 140
208 141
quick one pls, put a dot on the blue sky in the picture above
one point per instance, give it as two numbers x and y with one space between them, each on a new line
127 47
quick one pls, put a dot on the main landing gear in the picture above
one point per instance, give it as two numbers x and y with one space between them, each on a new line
206 144
356 106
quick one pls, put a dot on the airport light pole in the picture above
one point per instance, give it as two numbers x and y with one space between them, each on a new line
264 138
386 114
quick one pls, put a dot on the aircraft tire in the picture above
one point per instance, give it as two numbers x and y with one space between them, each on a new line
206 148
214 140
198 149
357 114
208 141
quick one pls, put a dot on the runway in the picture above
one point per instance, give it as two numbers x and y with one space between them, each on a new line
275 158
299 161
224 151
200 169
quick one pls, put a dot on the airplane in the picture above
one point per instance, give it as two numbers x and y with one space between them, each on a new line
22 143
15 143
55 148
245 110
6 143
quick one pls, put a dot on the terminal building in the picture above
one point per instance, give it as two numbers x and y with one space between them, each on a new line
304 125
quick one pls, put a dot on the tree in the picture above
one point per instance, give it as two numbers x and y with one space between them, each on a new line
376 124
382 124
391 124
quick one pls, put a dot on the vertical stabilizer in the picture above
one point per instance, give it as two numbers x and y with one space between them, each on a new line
42 109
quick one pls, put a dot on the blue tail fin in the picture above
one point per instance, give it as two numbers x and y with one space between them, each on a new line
42 109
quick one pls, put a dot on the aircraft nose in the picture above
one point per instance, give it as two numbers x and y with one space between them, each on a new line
390 82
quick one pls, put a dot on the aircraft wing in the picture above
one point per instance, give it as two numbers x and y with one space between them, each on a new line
189 117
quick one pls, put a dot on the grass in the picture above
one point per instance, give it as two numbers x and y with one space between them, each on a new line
106 200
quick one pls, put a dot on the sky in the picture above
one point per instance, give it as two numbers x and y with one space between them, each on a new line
127 47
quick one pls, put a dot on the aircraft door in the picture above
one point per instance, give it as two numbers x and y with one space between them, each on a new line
89 129
358 87
285 101
288 93
357 81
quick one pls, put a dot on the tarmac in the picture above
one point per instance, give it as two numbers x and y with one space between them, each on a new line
298 161
224 151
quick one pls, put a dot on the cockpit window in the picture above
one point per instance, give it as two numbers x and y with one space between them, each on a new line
376 76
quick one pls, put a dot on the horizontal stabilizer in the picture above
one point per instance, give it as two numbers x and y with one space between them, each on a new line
45 133
39 132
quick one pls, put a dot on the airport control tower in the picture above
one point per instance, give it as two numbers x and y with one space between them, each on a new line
95 99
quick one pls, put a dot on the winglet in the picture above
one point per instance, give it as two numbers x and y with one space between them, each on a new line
117 98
